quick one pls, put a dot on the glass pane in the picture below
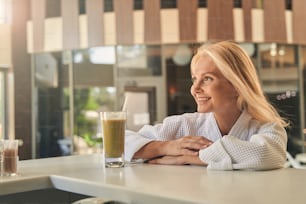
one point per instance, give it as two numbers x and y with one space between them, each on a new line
140 77
71 87
279 76
177 60
94 91
139 60
51 77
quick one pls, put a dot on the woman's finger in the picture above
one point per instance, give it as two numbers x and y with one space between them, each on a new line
195 143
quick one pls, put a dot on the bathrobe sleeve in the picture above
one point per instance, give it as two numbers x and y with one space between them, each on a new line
172 127
265 149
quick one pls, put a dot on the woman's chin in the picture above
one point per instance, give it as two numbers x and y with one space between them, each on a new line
203 110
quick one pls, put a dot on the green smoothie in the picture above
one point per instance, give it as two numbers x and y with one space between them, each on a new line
113 137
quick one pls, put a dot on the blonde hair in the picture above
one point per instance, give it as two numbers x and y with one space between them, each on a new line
237 67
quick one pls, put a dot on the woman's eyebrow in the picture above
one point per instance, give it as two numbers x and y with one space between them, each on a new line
205 73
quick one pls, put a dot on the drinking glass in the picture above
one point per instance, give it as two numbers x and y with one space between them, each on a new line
113 132
10 157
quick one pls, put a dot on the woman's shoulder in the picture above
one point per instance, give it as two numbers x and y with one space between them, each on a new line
266 126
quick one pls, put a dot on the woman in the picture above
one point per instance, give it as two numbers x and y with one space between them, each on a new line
234 127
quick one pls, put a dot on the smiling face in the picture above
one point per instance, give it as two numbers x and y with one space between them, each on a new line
211 90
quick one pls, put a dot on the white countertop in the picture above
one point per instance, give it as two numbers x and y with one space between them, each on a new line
145 183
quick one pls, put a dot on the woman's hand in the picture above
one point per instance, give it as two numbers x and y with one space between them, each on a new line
188 145
178 160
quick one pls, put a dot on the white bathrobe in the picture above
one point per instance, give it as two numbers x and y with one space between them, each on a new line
249 144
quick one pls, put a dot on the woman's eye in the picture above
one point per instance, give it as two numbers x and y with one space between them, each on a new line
207 79
202 81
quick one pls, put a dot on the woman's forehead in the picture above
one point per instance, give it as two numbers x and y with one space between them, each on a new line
204 65
203 62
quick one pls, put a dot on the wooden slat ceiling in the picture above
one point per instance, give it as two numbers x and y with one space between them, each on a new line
298 21
152 25
124 21
220 20
187 19
95 19
274 21
220 23
70 15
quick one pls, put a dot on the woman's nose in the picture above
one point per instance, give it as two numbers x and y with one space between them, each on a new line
196 87
197 84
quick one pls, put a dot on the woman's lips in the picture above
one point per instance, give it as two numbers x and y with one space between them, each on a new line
203 99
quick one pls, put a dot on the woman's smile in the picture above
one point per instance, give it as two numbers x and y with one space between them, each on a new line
202 99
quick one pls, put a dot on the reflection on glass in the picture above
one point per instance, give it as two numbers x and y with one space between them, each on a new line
139 60
88 102
94 91
278 69
182 55
177 60
95 55
279 77
102 55
139 69
49 82
59 125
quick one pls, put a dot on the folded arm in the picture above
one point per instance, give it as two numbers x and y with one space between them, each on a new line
179 151
265 150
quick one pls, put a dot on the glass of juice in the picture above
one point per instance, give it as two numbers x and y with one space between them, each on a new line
113 131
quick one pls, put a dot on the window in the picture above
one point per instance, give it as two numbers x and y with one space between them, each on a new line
5 9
